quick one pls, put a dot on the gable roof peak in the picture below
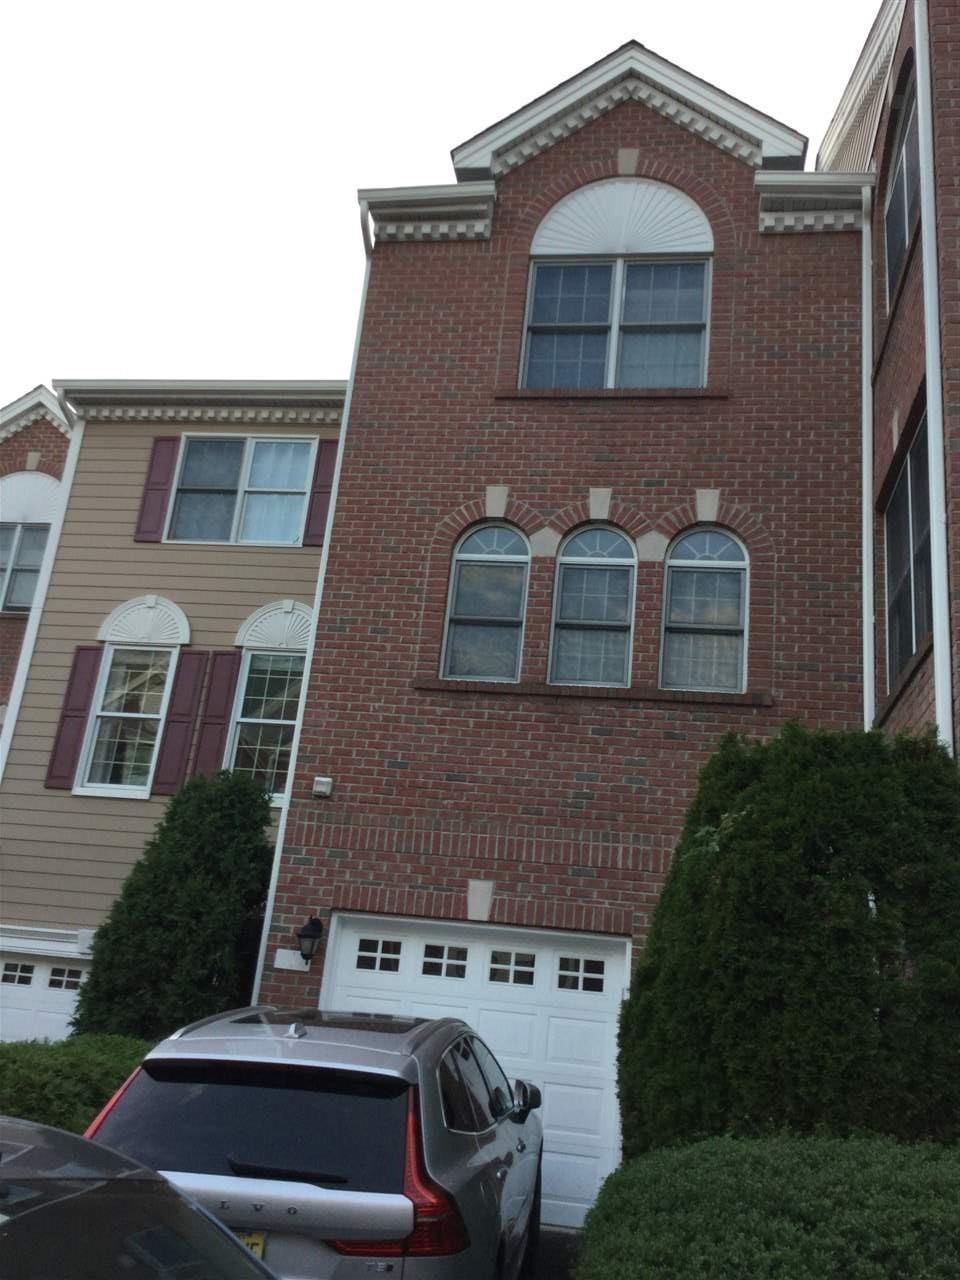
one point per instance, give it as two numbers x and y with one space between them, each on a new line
631 72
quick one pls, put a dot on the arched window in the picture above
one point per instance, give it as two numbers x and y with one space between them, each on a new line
485 609
619 289
593 609
705 611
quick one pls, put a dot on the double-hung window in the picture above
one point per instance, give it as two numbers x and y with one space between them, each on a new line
231 489
704 626
907 528
266 717
619 290
128 712
485 610
21 552
617 323
593 609
903 194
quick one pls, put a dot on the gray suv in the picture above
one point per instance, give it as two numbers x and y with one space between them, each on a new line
343 1144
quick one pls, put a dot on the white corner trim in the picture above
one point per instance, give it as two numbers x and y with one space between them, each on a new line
146 620
545 542
39 599
652 546
600 500
284 624
496 501
707 504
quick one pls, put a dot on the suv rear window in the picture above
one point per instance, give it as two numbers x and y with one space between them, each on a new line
331 1128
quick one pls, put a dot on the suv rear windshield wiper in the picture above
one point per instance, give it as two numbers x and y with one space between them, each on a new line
244 1170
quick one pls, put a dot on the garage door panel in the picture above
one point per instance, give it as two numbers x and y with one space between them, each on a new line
546 1002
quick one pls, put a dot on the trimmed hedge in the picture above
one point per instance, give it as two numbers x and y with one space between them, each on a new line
181 940
794 1208
64 1082
802 971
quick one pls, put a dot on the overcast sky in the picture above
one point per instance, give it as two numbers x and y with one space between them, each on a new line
179 179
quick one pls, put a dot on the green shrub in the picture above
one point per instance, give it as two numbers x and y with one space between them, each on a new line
803 965
64 1082
180 942
790 1208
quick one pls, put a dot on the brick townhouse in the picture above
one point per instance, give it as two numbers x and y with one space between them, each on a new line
598 505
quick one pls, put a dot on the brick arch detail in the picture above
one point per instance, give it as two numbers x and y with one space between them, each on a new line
622 515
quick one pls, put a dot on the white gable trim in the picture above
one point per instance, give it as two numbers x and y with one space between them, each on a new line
630 73
35 405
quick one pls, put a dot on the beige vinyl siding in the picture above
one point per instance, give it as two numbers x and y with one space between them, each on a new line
63 857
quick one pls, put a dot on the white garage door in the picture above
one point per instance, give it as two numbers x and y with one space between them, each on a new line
546 1002
37 996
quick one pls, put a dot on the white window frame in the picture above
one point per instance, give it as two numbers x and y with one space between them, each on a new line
615 327
236 718
556 625
743 568
453 579
6 575
250 441
898 163
81 786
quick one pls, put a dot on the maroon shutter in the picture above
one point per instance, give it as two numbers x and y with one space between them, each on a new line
320 494
182 712
68 743
156 492
215 724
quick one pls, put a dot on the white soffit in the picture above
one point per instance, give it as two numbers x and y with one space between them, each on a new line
624 215
630 73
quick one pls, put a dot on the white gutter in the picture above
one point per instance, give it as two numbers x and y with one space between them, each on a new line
43 582
866 459
317 600
940 585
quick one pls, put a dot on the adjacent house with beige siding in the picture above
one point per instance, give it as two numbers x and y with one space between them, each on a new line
170 639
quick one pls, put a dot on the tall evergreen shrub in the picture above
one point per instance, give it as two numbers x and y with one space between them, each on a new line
803 964
180 941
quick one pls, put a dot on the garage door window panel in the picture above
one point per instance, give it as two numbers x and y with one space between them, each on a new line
444 962
17 975
65 979
576 974
515 967
380 954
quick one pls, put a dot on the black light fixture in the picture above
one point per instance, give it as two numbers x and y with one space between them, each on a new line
308 938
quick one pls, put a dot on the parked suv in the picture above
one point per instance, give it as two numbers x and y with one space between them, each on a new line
343 1144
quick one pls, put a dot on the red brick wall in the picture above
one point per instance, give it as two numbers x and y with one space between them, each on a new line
571 800
45 439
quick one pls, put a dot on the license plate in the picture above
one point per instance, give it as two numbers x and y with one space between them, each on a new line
254 1240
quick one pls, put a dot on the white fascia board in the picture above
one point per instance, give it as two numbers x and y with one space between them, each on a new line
39 400
784 183
775 139
878 47
97 391
446 196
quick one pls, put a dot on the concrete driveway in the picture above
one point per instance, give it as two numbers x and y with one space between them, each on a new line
557 1252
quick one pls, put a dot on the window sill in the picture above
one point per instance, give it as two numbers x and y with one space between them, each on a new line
611 393
114 793
637 693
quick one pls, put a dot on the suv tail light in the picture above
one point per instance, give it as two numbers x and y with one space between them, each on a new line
104 1111
438 1227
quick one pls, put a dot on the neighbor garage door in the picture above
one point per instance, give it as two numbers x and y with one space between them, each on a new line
38 996
546 1002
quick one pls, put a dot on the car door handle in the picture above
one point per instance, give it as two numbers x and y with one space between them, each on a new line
502 1173
521 1145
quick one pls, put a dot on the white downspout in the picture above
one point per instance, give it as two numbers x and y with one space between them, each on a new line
318 597
866 454
940 585
43 582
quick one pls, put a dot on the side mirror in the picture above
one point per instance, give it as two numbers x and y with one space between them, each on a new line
527 1098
